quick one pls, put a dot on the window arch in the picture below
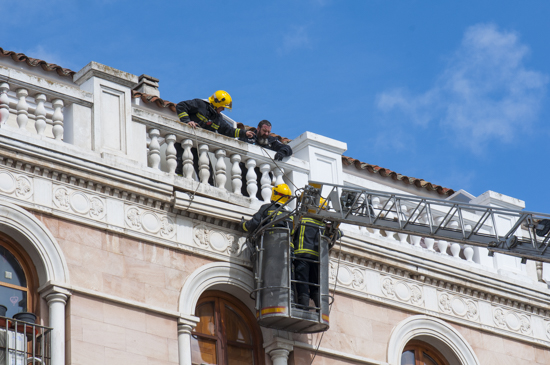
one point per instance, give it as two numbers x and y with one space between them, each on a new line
18 278
420 353
227 332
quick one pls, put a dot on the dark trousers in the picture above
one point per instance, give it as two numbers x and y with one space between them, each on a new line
307 271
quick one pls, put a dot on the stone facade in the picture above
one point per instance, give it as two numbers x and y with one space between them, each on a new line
124 248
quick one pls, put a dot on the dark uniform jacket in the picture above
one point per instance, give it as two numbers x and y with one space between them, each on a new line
273 144
265 211
204 114
307 236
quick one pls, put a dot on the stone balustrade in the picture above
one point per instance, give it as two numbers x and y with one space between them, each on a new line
32 111
237 167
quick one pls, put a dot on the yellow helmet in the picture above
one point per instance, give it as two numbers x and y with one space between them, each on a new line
221 99
280 193
323 204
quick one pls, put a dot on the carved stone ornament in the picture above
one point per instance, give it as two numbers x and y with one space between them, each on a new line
445 302
24 188
216 240
150 222
79 202
498 316
416 297
358 279
472 310
387 287
13 184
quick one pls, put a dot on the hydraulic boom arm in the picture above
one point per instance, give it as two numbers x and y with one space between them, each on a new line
469 224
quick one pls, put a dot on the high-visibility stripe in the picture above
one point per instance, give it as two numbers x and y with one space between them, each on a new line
202 117
325 318
305 250
270 310
244 227
182 114
237 132
215 126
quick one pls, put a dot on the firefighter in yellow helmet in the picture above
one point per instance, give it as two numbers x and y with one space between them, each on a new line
280 194
307 236
207 115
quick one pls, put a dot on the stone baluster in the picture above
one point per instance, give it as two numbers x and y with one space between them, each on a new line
265 182
468 250
251 184
455 247
415 240
40 114
403 236
376 209
441 244
429 242
236 173
22 108
4 103
57 119
390 216
187 158
154 149
278 173
221 177
204 164
171 161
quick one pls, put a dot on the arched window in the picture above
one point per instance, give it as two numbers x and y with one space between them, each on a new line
226 334
18 278
420 353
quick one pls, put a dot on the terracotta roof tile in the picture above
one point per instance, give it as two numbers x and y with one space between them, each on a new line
407 180
147 98
34 62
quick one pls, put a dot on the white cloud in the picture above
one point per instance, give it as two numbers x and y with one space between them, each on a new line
486 93
295 39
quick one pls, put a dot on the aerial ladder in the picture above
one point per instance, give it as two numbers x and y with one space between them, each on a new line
438 219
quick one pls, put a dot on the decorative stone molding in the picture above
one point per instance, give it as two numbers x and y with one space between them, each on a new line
512 320
434 331
79 202
16 185
149 221
218 240
458 305
402 290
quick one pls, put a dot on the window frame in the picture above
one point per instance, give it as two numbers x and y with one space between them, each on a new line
419 347
29 271
219 298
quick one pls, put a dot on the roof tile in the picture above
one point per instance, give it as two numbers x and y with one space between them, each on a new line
34 62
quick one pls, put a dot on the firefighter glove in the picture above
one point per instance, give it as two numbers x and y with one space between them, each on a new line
279 156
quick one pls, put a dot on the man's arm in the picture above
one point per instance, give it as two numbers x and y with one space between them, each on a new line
254 222
282 149
227 130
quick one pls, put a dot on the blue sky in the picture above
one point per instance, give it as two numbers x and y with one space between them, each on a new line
455 93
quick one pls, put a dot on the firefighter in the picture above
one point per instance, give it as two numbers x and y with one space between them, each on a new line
307 236
280 194
264 139
207 115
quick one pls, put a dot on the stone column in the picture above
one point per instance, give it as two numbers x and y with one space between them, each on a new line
56 298
185 326
278 350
